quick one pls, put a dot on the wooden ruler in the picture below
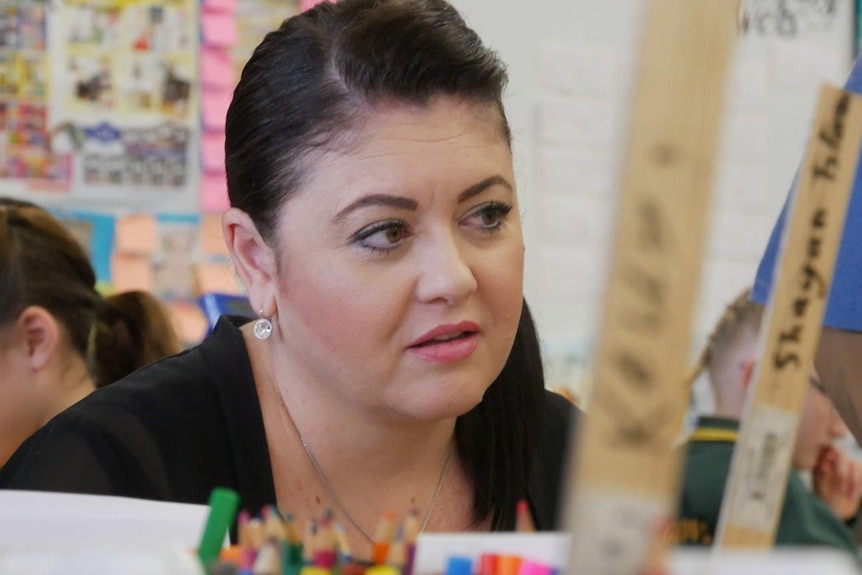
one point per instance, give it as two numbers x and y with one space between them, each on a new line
623 483
755 490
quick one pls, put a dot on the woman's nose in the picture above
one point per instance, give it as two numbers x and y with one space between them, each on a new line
445 274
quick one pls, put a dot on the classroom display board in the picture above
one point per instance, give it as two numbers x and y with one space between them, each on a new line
112 115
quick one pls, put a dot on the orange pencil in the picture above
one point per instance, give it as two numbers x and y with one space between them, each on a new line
382 538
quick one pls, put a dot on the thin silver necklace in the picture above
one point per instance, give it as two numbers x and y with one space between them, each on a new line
322 477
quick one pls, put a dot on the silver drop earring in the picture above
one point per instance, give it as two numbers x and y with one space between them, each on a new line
262 327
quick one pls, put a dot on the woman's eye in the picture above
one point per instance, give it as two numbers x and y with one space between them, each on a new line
490 217
382 237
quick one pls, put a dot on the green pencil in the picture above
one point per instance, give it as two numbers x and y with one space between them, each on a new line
223 505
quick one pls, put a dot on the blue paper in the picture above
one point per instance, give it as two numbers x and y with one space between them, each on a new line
844 305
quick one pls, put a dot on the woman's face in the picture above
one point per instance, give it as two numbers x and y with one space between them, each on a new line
401 262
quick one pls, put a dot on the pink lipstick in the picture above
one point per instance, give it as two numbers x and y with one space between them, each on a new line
447 343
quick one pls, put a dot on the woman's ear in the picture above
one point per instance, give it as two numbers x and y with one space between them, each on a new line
254 259
41 334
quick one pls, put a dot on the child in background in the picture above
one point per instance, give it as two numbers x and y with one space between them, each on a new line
59 338
807 519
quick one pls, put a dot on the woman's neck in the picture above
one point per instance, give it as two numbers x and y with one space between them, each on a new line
71 382
371 461
337 429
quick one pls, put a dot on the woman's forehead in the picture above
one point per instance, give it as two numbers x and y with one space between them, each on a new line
441 119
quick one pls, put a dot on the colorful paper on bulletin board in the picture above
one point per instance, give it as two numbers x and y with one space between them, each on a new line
220 5
254 19
214 193
173 263
189 321
212 239
131 272
217 69
218 29
212 151
153 157
217 278
136 234
308 4
128 57
95 231
25 134
214 105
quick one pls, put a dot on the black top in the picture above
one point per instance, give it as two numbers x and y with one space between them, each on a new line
178 428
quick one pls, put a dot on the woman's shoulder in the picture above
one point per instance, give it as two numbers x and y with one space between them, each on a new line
180 407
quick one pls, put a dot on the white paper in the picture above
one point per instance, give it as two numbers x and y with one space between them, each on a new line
36 520
756 502
99 560
434 550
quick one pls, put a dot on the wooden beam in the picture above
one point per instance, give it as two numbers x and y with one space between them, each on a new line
622 486
754 496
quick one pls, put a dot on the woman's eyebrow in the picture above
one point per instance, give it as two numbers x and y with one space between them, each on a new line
399 202
402 203
477 189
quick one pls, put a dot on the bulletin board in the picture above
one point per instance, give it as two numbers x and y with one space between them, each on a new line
112 117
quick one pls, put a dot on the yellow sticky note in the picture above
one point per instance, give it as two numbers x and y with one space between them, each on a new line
212 240
217 278
131 272
136 234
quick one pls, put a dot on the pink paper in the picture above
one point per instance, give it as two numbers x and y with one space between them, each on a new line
189 321
219 29
212 151
216 68
211 239
131 272
217 278
214 193
136 234
307 4
214 105
220 5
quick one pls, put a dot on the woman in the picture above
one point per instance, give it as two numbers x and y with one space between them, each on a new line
59 339
375 224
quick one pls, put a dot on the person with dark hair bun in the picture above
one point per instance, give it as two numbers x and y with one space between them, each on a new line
374 221
59 339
